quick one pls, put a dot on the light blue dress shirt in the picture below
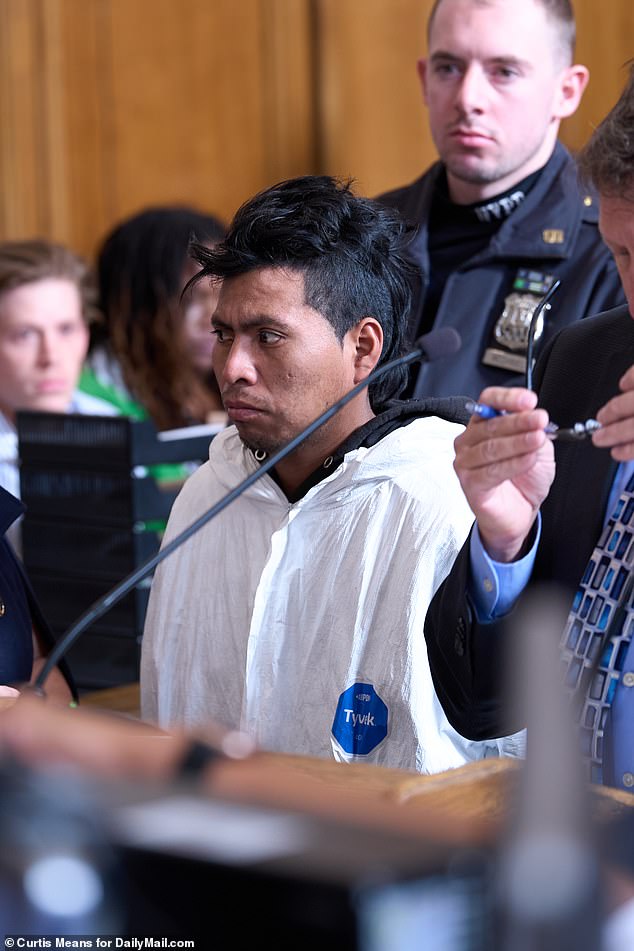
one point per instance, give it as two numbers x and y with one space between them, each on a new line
494 589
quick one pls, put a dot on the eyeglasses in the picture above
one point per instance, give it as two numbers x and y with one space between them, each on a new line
577 431
573 433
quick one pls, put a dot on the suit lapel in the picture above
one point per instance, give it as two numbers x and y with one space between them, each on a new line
584 472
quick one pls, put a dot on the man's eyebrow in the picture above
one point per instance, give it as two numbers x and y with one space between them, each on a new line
510 60
252 323
444 54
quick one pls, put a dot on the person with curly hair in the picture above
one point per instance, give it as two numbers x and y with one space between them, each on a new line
151 354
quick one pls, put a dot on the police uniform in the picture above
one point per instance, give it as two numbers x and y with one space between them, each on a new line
550 232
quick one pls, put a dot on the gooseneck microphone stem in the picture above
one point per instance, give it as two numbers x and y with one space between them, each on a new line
446 344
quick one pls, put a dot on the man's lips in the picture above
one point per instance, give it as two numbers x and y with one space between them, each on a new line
241 412
468 136
51 386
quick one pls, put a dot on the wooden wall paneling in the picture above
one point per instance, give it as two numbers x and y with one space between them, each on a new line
52 145
84 177
605 43
110 105
207 100
184 102
23 177
288 77
38 176
372 118
54 126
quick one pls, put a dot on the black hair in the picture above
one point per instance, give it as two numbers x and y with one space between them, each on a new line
140 277
142 258
350 251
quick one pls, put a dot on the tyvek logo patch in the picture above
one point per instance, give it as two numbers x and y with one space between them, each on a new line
360 722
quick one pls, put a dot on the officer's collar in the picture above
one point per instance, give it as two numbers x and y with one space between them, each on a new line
490 210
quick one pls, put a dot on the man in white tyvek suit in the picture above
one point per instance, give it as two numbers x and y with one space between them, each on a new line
297 614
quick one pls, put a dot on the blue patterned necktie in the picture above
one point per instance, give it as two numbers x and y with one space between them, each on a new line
602 615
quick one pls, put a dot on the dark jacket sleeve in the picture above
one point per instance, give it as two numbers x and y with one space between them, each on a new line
466 656
575 375
467 659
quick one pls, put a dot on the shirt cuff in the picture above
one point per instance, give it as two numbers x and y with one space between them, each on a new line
494 587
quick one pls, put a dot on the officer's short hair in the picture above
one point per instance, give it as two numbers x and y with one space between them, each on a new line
559 11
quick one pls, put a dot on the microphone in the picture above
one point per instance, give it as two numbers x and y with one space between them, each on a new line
434 346
430 347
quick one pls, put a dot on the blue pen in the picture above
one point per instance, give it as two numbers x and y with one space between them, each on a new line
482 410
576 431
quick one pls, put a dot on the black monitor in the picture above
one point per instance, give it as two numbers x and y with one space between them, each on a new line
98 491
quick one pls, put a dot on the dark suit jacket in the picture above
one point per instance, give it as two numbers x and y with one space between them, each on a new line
577 374
20 612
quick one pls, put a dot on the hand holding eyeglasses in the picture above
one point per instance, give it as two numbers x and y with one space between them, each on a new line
570 433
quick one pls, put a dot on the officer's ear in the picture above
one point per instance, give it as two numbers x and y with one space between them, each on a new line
421 67
570 88
367 341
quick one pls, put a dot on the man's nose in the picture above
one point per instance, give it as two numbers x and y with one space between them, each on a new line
236 364
46 350
472 90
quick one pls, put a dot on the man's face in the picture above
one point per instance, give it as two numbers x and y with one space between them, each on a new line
197 307
43 342
278 361
616 223
496 85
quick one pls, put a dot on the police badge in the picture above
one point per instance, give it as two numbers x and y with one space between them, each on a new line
509 340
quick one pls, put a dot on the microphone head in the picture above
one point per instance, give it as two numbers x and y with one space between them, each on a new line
438 343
